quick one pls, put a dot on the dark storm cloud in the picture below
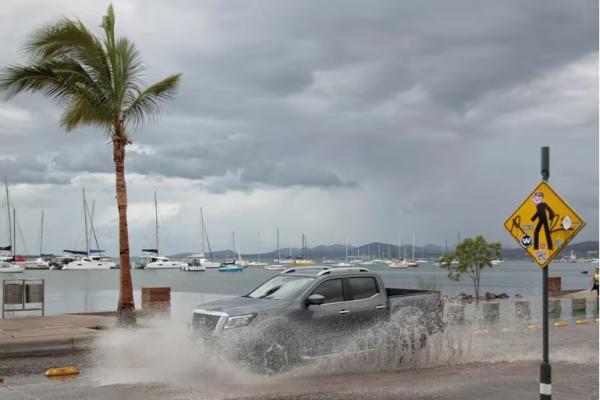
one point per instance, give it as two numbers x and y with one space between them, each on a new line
416 107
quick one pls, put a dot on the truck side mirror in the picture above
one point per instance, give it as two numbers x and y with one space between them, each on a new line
315 299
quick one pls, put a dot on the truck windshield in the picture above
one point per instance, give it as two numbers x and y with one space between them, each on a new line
281 287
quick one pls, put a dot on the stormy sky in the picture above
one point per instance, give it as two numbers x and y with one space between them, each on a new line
365 120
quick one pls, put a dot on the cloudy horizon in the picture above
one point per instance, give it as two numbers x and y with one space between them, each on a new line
364 121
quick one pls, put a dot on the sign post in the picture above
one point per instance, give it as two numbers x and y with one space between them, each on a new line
543 225
545 368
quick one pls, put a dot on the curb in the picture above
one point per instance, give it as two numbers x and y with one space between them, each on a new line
46 346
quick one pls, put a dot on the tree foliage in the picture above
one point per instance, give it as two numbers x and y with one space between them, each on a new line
97 80
470 258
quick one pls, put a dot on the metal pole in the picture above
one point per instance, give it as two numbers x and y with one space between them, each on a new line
156 222
545 369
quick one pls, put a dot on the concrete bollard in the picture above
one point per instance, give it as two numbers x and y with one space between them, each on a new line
554 309
554 285
491 312
578 307
157 300
456 313
523 310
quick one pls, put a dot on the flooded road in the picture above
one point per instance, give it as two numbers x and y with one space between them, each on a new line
160 363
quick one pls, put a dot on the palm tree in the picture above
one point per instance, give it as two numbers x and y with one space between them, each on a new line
97 81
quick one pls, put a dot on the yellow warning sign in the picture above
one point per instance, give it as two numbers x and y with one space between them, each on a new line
544 224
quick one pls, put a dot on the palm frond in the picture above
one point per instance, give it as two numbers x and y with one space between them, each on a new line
147 102
70 38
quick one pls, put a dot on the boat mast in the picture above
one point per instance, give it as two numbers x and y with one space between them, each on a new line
85 218
413 248
10 232
202 241
346 250
156 222
278 251
258 245
14 245
42 235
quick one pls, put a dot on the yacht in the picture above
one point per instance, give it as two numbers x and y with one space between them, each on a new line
38 263
194 264
160 262
399 264
8 267
90 262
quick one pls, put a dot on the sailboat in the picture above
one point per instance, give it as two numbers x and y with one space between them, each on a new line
42 262
236 265
276 266
89 259
303 261
412 263
7 253
257 263
345 263
401 262
152 259
199 262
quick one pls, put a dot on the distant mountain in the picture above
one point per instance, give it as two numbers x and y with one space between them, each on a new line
381 250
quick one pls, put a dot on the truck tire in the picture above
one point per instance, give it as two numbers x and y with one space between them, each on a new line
276 350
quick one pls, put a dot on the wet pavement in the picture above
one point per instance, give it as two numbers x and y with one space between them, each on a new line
499 364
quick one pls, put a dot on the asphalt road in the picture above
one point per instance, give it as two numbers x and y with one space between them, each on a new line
457 365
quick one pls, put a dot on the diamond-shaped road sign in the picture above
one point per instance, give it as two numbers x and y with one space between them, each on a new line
543 224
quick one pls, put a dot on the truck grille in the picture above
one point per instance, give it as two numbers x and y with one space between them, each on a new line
205 323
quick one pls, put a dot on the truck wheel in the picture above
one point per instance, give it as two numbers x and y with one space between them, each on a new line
275 352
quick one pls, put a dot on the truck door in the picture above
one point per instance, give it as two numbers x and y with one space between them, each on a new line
369 303
332 319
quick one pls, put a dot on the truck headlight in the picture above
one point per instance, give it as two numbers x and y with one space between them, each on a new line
236 322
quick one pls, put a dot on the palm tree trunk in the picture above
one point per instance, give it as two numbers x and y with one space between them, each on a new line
126 307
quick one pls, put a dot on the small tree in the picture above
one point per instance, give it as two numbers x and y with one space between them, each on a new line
471 257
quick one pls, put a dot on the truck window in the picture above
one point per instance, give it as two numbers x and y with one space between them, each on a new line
281 287
331 290
363 287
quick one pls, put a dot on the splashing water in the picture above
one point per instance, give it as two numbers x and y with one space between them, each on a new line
164 351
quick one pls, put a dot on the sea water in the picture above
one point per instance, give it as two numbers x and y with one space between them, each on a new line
86 291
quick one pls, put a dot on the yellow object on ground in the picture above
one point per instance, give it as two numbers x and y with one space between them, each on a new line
560 324
480 332
532 327
581 322
62 371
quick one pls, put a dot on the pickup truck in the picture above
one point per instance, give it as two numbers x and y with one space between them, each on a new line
310 312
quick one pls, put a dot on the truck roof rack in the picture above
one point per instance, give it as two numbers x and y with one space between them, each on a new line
292 270
350 269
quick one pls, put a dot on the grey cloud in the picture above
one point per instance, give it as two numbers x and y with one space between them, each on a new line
417 108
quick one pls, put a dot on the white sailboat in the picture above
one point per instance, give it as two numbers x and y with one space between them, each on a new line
276 266
42 261
199 262
152 259
345 263
258 262
401 262
90 259
412 263
7 253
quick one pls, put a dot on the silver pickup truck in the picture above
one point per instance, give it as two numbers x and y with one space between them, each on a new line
311 312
